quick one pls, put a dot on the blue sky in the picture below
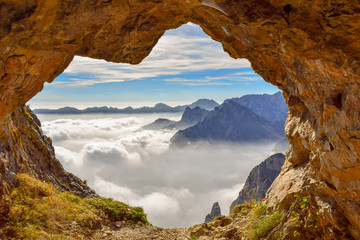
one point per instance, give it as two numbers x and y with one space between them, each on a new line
184 66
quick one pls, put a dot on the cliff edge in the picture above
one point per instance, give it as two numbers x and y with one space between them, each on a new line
25 149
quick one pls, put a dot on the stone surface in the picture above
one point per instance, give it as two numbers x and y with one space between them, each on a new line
260 179
309 49
24 149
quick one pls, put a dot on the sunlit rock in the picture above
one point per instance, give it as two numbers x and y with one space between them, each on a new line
309 49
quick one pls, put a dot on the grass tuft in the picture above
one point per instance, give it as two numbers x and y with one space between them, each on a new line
263 223
37 210
117 210
261 220
243 209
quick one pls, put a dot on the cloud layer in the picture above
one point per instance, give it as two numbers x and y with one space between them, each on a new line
176 187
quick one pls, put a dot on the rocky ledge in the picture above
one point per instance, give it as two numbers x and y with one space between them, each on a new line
25 149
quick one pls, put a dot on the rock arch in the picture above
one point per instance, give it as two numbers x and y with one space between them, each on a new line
309 49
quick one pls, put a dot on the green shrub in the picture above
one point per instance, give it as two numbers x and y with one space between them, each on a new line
117 210
261 220
243 209
305 211
263 224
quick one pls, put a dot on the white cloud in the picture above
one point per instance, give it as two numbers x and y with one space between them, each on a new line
159 207
111 190
226 196
68 157
108 152
177 52
227 79
176 187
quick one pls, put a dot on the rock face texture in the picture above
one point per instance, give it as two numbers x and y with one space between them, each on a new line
215 212
24 149
260 179
309 49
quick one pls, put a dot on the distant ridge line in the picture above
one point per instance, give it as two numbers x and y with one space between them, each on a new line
158 108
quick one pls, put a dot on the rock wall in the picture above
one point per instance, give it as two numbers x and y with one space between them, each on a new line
259 180
24 149
309 49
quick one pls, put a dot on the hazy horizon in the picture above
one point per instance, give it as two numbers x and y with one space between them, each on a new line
83 105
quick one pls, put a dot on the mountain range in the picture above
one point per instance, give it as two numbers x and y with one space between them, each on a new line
272 107
231 122
190 117
158 108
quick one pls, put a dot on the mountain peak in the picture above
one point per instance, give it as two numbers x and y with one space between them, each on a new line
260 179
204 103
161 105
272 107
231 123
215 212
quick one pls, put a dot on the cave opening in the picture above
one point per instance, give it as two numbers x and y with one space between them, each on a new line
302 47
121 159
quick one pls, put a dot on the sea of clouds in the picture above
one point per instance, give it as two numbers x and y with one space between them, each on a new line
175 186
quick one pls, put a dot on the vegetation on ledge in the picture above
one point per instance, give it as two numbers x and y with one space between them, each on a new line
37 210
260 219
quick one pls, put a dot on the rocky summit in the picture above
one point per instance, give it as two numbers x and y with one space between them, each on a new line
190 117
215 212
260 179
230 123
308 49
271 107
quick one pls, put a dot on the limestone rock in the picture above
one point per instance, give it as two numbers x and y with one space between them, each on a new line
309 49
24 149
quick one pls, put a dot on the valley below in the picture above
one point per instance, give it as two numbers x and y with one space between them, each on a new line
121 158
